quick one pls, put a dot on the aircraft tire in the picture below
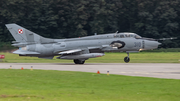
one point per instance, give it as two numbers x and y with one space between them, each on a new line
126 59
76 61
82 62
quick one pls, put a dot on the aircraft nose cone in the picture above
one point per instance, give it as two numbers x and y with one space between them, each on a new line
159 43
151 44
156 43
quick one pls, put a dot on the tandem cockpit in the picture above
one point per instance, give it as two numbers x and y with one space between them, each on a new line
127 35
108 36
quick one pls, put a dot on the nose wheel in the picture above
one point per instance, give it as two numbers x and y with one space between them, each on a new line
127 59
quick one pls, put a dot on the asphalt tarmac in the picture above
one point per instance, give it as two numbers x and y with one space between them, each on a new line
156 70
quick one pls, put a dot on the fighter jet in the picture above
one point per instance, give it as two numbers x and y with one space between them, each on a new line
77 49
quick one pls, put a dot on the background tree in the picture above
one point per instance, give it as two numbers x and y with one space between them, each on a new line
78 18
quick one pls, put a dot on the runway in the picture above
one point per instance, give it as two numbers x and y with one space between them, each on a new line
157 70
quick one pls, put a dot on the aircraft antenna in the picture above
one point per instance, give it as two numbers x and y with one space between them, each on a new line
117 32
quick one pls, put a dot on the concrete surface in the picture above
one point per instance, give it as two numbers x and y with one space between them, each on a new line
157 70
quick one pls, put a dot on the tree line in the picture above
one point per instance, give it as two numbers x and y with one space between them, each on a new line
78 18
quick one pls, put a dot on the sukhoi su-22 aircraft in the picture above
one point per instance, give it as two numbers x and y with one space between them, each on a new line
77 49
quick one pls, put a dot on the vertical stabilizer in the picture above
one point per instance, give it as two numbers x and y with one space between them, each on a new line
23 35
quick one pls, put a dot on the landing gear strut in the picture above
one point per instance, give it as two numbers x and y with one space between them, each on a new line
77 61
127 59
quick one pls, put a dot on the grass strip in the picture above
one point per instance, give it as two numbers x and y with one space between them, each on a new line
38 85
141 57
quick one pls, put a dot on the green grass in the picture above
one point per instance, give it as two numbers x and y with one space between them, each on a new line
164 50
44 85
141 57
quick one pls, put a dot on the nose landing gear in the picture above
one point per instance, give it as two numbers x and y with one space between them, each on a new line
127 59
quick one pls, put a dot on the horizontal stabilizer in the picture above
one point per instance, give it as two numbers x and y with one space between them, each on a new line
24 52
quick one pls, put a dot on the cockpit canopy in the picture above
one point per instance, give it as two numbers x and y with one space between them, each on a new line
126 35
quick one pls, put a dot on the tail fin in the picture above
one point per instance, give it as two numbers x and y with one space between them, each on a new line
23 35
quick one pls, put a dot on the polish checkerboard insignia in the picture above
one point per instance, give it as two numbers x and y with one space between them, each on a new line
20 31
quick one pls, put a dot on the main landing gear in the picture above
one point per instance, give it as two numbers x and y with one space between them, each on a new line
77 61
127 59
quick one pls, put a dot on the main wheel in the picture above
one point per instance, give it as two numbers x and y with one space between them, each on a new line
82 61
76 61
126 59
